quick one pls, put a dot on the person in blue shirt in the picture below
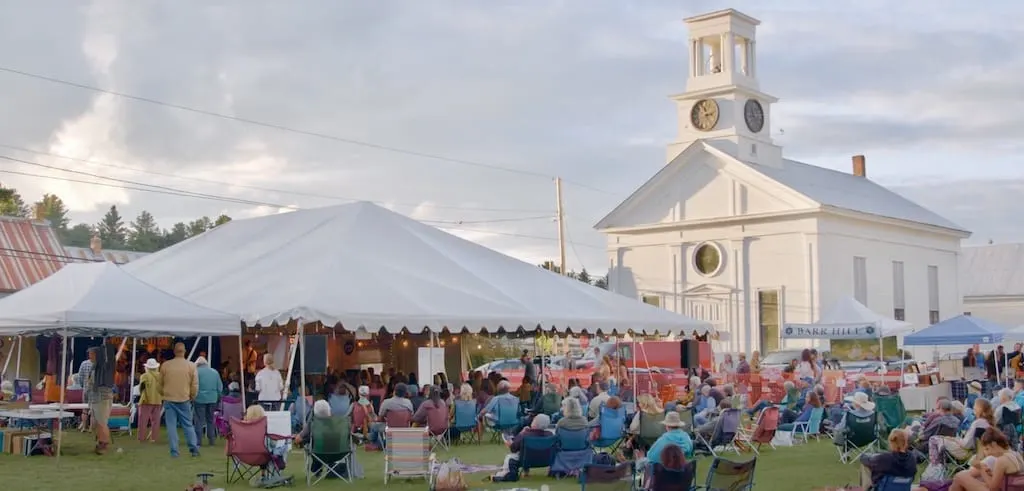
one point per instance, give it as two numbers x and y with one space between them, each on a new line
674 435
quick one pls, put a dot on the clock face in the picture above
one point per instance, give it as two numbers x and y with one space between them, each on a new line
704 114
753 113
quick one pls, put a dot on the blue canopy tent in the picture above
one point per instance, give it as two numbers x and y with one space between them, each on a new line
959 330
962 329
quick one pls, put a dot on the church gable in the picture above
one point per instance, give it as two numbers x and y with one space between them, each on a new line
700 185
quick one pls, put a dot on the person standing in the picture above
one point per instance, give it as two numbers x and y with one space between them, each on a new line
84 379
180 386
269 383
101 397
210 388
150 402
249 358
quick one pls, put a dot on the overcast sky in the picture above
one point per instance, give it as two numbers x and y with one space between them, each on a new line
928 90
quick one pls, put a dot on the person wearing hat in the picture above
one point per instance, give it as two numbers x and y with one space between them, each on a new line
150 402
210 388
860 407
675 434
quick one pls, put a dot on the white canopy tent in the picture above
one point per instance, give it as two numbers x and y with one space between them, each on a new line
849 319
100 299
362 266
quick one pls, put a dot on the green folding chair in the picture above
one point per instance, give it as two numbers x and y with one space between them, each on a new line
330 446
861 437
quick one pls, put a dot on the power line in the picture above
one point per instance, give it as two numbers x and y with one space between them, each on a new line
252 187
165 190
288 129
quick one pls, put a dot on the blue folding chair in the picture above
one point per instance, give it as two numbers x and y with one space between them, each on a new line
538 452
465 420
893 483
611 427
507 419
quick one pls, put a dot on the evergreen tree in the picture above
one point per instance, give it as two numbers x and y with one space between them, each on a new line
177 233
144 234
221 220
602 282
52 209
78 236
198 226
584 276
111 229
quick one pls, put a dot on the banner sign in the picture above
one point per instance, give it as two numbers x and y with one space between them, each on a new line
826 331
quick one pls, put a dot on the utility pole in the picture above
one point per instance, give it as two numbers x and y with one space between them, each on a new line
560 217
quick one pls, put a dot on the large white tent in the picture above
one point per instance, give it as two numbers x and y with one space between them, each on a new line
101 299
362 266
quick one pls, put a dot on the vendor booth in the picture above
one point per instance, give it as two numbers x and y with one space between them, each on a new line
99 300
962 330
360 269
849 319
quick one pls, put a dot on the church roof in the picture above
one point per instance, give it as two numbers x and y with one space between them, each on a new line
992 270
846 191
826 187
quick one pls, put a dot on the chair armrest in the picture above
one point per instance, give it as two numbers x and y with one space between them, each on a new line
271 436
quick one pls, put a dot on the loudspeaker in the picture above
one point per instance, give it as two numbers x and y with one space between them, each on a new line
689 354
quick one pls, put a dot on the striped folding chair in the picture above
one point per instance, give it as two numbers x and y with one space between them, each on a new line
407 454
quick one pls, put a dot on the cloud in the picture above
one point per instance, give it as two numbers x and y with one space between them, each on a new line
568 88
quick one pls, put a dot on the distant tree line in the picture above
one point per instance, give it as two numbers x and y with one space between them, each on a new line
600 282
142 234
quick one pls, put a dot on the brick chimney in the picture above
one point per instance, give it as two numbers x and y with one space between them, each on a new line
96 245
860 168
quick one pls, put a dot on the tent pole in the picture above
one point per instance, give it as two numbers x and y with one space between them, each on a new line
302 365
131 369
241 373
17 363
192 352
7 363
209 349
291 361
63 390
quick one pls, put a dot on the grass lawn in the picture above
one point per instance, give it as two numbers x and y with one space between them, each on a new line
149 467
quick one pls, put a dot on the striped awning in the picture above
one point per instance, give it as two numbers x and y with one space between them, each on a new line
29 252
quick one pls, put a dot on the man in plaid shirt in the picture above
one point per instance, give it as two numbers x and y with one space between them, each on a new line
85 381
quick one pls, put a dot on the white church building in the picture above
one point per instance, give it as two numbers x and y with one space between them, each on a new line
732 232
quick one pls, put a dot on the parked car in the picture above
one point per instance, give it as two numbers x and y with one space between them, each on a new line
512 364
781 358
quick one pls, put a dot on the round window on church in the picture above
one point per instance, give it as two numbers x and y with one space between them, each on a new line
707 259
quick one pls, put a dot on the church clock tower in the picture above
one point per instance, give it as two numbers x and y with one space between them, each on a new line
723 101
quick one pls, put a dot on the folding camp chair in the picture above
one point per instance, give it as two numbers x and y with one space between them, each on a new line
611 428
537 452
249 451
891 413
763 432
573 451
660 478
619 477
861 436
1008 421
893 483
953 464
329 446
728 475
506 421
465 420
724 434
811 427
650 430
407 454
437 425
